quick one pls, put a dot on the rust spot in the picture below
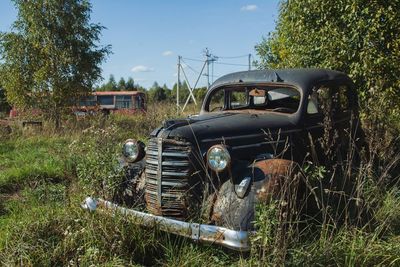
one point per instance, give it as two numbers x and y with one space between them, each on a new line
219 236
277 172
216 218
151 205
274 166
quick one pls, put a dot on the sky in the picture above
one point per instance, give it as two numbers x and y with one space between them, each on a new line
147 36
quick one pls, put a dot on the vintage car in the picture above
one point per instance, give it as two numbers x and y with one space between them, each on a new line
202 176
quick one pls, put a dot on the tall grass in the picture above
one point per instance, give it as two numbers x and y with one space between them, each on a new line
349 215
45 174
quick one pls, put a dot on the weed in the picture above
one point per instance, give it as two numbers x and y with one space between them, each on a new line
44 176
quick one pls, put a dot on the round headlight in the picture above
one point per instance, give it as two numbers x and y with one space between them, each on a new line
133 150
218 158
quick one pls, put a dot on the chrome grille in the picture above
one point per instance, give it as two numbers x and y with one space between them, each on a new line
168 168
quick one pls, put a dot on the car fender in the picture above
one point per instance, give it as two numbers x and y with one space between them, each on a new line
267 179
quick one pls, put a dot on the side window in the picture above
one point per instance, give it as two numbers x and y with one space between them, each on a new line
89 101
217 101
105 100
312 106
333 100
342 99
139 102
123 101
319 101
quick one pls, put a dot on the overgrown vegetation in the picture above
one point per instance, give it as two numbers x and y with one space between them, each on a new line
44 176
52 55
357 227
4 106
358 37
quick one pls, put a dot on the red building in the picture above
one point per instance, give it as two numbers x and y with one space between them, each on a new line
125 102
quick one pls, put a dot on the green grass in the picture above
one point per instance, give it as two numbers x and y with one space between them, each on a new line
28 160
41 223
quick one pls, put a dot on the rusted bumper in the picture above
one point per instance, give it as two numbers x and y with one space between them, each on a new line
236 240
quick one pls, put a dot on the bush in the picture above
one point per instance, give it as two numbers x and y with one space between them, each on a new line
95 155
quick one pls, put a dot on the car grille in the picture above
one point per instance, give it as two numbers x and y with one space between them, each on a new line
168 168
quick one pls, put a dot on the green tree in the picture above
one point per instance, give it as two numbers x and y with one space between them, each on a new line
130 85
358 37
183 92
4 106
167 92
156 93
111 85
51 56
121 84
200 94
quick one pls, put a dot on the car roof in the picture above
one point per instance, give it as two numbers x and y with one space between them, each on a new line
101 93
304 79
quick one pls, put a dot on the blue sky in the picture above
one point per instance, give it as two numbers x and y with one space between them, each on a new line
147 36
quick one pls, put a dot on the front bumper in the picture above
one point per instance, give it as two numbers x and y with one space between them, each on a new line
236 240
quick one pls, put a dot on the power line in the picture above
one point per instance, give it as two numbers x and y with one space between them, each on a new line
190 67
235 56
210 59
192 59
231 64
217 62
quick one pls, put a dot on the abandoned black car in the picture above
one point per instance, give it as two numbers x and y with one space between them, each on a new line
202 176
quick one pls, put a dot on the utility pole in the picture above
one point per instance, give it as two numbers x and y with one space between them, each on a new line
209 58
177 85
249 61
208 67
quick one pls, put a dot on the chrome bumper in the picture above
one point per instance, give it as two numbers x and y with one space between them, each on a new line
236 240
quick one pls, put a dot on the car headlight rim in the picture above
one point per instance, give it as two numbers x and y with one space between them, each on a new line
213 161
133 150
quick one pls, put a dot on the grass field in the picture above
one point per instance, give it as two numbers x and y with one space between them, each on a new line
44 176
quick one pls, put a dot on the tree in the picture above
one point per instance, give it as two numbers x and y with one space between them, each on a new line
121 84
166 91
4 106
183 92
51 57
200 93
358 37
130 85
156 93
111 85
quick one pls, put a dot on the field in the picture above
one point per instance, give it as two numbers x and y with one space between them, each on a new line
45 175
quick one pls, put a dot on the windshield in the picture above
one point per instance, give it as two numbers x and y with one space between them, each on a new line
259 98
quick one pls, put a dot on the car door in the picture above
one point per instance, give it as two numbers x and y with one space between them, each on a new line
327 122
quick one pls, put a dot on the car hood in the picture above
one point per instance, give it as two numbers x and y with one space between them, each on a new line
228 127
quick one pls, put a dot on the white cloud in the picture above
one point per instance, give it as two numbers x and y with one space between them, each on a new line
249 8
141 68
167 53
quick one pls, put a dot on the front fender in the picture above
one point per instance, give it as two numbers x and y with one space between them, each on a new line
132 188
235 202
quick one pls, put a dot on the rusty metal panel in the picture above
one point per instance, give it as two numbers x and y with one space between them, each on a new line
277 170
168 169
237 240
